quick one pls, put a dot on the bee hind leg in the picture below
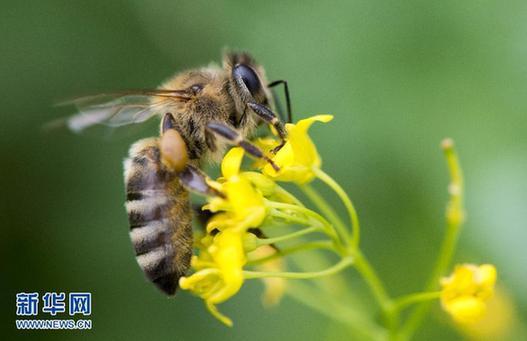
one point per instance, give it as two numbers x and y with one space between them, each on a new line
174 156
196 181
235 138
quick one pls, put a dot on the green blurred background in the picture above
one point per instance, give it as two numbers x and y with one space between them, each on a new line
398 75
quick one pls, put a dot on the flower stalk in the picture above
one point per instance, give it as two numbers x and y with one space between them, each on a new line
455 216
342 264
354 217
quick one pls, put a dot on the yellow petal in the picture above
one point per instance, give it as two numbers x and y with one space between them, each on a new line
499 321
228 254
487 275
290 169
201 283
232 161
244 200
214 312
466 309
304 148
266 143
219 221
307 122
214 184
216 204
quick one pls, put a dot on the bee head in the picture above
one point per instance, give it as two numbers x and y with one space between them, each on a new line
247 81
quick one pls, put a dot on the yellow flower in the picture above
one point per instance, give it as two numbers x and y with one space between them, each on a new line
465 292
243 206
220 274
498 323
298 157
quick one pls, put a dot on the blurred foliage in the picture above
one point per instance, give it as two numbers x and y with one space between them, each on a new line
398 76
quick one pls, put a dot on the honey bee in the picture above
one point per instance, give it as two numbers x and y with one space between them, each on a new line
202 111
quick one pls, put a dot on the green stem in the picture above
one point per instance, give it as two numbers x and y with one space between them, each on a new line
325 208
344 263
284 252
362 264
301 209
309 213
287 217
289 236
280 190
354 218
405 301
379 292
373 280
454 220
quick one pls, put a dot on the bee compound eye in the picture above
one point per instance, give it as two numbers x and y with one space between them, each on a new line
248 76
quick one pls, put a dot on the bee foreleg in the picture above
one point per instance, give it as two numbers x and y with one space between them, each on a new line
235 138
270 117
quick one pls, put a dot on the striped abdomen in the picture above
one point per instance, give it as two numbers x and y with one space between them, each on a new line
159 214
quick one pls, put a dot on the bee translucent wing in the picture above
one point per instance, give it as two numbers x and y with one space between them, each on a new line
118 112
115 110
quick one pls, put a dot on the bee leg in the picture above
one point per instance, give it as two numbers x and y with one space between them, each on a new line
235 138
287 98
168 122
268 116
175 156
172 146
196 181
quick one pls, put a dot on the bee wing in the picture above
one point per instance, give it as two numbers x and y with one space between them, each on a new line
114 113
119 109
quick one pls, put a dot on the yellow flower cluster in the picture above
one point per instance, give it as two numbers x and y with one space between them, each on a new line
219 266
465 292
223 251
249 202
